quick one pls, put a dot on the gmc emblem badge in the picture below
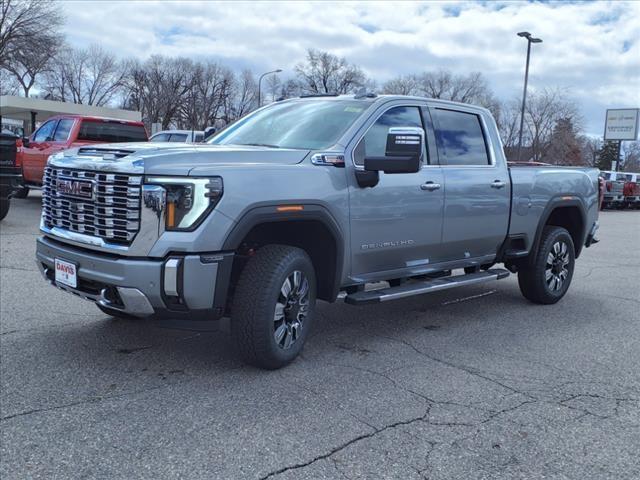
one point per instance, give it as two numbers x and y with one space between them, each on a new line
74 188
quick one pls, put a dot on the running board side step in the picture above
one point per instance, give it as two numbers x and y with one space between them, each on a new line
425 286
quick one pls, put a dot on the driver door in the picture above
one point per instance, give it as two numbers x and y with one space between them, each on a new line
396 226
34 156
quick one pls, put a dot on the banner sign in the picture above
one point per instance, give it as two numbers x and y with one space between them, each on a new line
621 124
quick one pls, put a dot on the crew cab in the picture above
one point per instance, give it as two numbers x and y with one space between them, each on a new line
67 131
317 198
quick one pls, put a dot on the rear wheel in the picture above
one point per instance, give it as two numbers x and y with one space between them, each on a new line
547 279
273 306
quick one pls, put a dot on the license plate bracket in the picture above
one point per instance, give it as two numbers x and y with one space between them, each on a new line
66 273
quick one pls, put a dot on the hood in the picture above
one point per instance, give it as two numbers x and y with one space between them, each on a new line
166 158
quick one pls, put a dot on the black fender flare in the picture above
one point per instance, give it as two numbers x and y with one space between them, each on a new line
553 204
290 212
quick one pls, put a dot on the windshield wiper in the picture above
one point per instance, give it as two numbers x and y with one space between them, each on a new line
262 145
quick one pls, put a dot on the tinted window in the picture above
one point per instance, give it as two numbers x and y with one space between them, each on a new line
63 129
199 137
100 131
178 137
374 143
459 138
305 124
45 132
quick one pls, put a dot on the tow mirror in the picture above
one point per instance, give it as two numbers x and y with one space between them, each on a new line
403 153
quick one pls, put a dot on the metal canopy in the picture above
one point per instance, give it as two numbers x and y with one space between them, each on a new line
21 108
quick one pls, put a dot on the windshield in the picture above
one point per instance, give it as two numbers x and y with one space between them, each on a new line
308 125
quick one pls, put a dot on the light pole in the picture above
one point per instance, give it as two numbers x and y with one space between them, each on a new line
530 40
260 82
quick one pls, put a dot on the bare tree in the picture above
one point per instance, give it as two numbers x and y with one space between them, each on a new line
209 87
29 63
89 76
323 72
158 87
544 110
26 23
402 85
242 99
29 38
631 156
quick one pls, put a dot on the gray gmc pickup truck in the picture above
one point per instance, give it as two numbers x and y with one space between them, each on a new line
310 198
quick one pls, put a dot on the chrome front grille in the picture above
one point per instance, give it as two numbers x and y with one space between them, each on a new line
99 204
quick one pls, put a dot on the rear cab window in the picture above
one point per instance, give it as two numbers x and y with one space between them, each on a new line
111 132
460 138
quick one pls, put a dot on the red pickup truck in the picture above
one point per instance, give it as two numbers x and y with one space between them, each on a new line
67 131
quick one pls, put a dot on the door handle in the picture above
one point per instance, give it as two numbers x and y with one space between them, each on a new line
430 186
498 184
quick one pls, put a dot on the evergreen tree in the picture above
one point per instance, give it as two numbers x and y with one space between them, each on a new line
607 154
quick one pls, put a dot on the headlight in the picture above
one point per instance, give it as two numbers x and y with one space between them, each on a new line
188 200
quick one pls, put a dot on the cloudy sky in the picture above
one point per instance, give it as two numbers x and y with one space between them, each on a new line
591 48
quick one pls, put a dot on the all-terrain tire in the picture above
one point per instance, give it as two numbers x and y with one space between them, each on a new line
4 207
257 304
547 278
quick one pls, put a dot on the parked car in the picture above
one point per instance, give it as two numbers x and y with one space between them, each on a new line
180 136
10 174
304 199
66 131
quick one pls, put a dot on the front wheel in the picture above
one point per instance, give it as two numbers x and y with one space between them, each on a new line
273 306
547 279
4 207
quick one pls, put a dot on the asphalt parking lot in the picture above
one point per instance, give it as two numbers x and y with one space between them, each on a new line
473 383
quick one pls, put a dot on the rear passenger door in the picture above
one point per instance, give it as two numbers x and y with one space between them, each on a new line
478 189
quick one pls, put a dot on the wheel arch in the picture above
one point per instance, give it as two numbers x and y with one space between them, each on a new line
310 227
566 213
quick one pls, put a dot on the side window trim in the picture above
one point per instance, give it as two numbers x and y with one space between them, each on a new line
375 116
488 144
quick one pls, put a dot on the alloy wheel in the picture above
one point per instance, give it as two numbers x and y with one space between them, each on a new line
292 308
557 267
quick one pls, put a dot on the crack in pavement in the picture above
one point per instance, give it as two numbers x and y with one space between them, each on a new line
341 447
81 402
464 368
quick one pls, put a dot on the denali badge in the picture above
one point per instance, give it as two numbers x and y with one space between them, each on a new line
74 188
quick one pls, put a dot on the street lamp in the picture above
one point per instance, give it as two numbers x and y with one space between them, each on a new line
530 40
260 82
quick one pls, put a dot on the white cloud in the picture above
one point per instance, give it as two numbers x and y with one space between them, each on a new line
592 48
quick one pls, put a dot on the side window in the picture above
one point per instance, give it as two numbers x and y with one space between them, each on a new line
459 138
63 129
374 143
199 137
45 132
178 137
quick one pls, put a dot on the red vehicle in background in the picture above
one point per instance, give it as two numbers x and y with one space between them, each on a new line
631 190
67 131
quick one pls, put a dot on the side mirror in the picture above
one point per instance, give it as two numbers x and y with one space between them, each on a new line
25 141
403 153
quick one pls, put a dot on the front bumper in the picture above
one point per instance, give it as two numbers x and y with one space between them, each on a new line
198 287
